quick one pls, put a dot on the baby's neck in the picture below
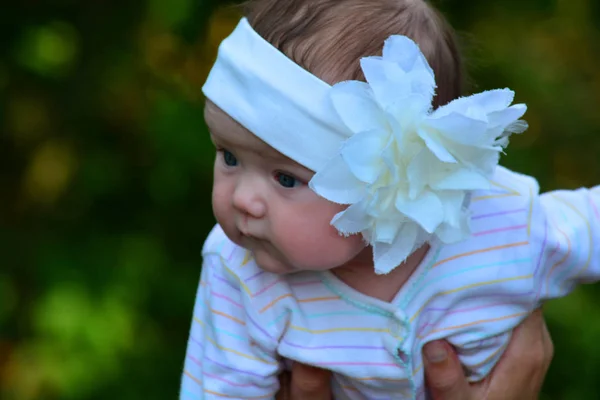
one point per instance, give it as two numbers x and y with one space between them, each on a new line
363 278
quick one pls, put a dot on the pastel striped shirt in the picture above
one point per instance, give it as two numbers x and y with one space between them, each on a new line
525 248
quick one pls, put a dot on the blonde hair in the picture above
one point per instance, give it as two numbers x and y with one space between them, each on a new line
329 37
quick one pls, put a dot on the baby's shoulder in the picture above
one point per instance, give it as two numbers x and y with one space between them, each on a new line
509 190
500 242
231 256
216 241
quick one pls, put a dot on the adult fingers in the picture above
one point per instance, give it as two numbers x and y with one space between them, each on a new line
521 371
310 383
548 345
519 375
284 386
544 352
444 374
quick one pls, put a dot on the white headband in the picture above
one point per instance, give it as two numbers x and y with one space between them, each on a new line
271 96
404 169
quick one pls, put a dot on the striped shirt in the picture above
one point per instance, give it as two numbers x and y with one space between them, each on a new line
525 248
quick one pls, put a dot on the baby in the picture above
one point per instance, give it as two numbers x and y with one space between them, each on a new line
361 211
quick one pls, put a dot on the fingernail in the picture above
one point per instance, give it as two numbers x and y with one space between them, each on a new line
436 352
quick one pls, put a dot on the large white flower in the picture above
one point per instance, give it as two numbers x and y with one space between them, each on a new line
407 170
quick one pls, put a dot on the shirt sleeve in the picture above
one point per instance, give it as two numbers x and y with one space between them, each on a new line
223 360
565 240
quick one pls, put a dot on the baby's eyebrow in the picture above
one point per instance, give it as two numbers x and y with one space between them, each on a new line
273 155
218 139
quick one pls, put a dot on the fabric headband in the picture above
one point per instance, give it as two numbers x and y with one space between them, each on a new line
405 171
271 96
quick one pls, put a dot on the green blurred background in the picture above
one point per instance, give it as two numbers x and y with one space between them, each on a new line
105 178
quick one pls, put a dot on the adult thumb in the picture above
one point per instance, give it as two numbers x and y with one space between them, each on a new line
443 373
310 383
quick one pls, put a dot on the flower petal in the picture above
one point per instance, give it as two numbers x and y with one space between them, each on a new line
426 210
399 75
386 256
362 154
459 128
493 100
336 183
352 220
455 204
481 159
462 179
490 100
457 225
386 230
356 106
507 116
420 172
392 161
432 141
406 53
387 80
381 202
519 126
449 234
408 111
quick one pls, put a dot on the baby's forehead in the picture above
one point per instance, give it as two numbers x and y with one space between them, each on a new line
226 131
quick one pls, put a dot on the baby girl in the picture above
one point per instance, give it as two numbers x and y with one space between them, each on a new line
361 210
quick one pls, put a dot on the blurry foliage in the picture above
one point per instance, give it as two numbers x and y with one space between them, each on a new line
105 179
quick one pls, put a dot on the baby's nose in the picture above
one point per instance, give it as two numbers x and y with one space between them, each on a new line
248 200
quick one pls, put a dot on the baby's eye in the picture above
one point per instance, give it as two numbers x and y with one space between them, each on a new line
229 158
286 180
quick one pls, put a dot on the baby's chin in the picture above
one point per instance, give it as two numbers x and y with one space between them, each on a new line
267 262
273 262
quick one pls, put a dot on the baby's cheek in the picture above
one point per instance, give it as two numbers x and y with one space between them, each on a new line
220 206
320 249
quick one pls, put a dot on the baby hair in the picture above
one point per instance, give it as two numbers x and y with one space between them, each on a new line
329 37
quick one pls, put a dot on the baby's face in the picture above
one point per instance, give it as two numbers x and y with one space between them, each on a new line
262 201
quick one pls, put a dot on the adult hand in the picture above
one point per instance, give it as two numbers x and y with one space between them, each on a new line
518 375
305 383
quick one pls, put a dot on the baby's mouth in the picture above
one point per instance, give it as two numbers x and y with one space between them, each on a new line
243 228
246 234
250 237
